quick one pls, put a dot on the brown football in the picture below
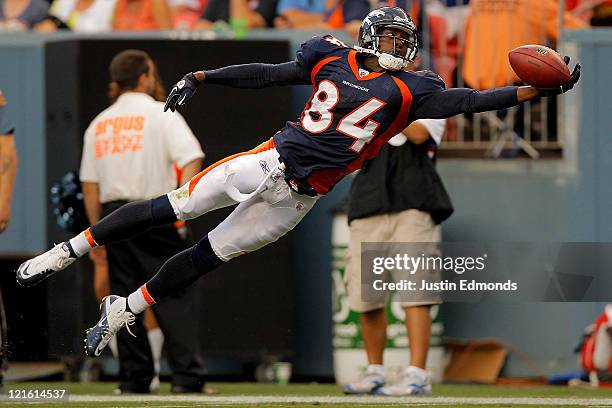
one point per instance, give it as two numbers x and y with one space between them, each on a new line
539 66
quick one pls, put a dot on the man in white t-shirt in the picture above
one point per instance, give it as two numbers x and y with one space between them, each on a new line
131 152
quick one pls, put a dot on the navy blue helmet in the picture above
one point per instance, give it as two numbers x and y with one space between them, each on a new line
371 31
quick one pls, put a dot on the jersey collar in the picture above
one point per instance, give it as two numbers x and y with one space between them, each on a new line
352 59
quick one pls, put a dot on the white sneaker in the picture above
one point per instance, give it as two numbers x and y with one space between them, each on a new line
374 379
414 381
35 270
114 317
154 386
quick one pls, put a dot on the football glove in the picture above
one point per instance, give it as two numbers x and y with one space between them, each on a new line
181 92
558 90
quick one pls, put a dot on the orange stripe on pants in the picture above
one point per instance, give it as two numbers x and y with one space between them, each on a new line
267 145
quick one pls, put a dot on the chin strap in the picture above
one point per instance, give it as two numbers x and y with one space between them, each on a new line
391 63
386 61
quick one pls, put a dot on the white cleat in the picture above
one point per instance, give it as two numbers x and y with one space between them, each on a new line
35 270
114 317
414 381
374 379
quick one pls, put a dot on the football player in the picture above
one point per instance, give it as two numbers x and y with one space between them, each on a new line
361 98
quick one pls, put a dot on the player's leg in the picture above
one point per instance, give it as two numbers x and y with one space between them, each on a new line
414 379
136 367
416 227
127 221
252 225
418 326
3 342
182 339
373 317
205 192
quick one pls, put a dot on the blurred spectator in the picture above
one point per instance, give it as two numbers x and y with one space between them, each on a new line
8 164
494 27
348 14
130 134
256 13
90 16
21 15
142 15
303 14
8 170
186 13
602 14
397 197
99 258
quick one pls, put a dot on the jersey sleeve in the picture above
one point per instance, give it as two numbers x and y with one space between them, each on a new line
317 49
181 143
429 84
432 101
88 173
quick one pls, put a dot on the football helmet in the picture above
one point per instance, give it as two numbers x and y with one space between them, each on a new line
371 30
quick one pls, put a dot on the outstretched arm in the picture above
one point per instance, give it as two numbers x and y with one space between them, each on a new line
256 75
251 76
451 102
443 103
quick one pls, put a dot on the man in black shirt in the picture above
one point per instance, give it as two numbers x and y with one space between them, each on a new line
396 197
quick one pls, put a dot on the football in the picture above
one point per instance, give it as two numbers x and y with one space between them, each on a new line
539 66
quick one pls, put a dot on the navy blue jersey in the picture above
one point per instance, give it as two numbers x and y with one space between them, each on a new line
348 118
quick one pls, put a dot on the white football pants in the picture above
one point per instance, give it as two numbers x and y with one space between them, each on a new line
270 210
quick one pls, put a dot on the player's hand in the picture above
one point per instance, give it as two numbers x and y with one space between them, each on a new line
181 92
558 90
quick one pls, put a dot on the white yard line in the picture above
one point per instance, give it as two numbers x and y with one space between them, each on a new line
205 400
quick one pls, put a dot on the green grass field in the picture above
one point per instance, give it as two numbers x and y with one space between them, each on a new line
319 395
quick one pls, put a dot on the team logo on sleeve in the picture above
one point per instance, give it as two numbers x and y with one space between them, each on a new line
334 40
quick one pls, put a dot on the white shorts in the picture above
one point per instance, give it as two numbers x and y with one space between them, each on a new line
254 223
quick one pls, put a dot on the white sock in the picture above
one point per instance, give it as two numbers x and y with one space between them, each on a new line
416 370
139 300
156 340
377 369
82 243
